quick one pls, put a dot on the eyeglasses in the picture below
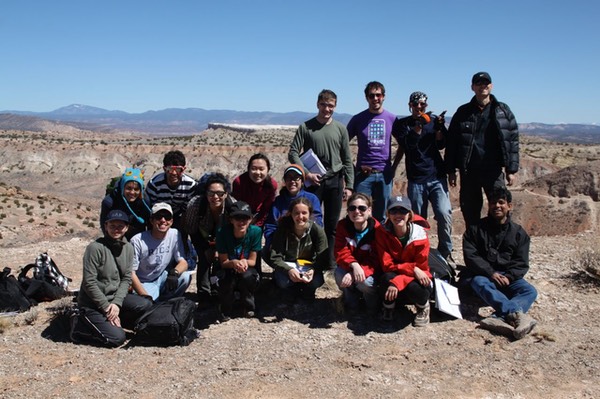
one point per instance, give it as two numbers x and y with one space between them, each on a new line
416 104
219 194
172 168
327 105
375 95
241 218
353 208
292 178
166 216
398 211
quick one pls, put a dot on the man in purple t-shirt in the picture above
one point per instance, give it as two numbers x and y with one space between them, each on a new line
373 131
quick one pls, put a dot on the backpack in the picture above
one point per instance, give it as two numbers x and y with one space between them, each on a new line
12 295
112 185
48 283
439 268
167 323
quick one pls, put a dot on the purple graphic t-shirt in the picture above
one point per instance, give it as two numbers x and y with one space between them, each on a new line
374 135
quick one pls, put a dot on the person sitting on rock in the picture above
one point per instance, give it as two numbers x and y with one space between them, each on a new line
105 306
159 266
128 196
496 254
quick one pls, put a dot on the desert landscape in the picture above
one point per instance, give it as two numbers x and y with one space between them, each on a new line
53 180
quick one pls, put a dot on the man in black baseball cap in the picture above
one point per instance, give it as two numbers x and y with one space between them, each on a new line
483 145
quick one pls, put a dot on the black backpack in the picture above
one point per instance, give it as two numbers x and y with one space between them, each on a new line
48 283
12 295
168 323
439 268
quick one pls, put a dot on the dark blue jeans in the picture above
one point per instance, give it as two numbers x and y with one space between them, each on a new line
518 296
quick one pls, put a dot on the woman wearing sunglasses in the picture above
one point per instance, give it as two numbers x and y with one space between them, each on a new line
403 247
358 268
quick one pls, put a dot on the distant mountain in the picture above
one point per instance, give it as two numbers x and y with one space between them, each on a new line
183 121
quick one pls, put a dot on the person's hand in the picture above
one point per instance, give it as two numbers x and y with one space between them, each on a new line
112 314
308 276
452 179
422 277
314 178
510 179
346 281
391 293
500 279
347 194
172 280
294 275
357 272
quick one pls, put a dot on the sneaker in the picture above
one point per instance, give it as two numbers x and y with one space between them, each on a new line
223 318
522 322
249 314
497 325
422 316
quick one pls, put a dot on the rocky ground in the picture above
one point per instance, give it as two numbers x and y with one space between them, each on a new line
302 351
317 351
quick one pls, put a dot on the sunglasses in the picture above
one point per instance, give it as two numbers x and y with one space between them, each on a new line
166 216
241 218
219 194
176 169
375 95
353 208
398 211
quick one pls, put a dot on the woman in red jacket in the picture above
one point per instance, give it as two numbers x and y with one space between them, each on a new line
403 247
358 268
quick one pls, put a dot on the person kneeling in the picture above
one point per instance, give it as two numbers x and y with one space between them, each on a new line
403 247
159 266
105 306
238 244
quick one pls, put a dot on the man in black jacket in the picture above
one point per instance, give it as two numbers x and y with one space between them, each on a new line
496 253
483 139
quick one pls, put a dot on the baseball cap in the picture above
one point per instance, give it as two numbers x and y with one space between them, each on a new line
399 201
481 76
417 97
240 208
294 168
117 214
161 206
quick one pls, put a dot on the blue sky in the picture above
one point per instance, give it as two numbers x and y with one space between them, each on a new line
277 55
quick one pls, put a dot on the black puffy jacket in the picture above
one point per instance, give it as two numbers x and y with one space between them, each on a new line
462 131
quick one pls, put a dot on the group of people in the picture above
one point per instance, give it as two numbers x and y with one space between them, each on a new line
378 253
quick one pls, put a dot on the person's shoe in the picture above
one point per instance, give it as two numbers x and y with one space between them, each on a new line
388 312
223 318
74 321
422 316
497 325
522 322
249 314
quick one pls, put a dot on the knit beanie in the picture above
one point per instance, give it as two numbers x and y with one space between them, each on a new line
136 175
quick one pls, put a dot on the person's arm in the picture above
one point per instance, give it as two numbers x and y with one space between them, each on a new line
452 143
265 206
137 285
277 254
519 261
297 147
346 155
396 134
178 254
125 273
92 262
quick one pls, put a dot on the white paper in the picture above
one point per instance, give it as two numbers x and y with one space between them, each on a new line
312 162
447 299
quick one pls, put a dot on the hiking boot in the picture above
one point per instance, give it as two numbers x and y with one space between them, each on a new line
522 322
388 312
422 316
249 314
223 318
497 325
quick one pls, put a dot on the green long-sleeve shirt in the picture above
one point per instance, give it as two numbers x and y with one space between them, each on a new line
329 142
106 277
